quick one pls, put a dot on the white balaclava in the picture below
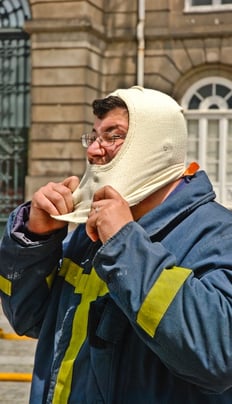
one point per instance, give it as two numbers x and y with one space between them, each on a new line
151 156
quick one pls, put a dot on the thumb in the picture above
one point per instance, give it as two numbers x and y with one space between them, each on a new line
107 192
71 182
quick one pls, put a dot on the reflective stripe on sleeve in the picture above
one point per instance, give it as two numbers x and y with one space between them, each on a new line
5 285
160 297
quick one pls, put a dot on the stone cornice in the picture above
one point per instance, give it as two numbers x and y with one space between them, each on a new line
64 25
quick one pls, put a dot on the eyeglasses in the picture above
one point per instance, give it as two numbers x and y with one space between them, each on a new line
106 139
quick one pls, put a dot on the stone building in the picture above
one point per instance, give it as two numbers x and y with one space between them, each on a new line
79 50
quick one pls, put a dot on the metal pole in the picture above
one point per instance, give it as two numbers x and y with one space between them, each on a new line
141 43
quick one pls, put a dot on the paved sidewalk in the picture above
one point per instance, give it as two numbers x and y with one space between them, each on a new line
16 356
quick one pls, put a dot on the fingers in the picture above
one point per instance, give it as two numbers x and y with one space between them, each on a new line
51 199
109 213
71 182
106 192
91 230
91 226
55 199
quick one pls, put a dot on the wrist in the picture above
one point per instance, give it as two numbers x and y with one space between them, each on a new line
35 235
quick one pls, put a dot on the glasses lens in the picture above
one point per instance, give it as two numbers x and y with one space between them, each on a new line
87 139
107 139
84 141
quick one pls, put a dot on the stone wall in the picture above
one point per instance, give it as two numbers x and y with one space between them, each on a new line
67 48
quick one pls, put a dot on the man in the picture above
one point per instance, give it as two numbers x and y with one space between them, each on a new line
135 306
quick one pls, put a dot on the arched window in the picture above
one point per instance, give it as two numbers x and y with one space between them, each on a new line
208 110
14 104
13 13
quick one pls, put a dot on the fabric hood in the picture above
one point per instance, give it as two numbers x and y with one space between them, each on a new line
151 156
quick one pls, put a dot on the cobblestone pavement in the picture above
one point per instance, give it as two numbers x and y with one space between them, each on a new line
16 356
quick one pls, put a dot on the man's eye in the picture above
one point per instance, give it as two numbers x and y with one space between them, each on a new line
114 137
108 137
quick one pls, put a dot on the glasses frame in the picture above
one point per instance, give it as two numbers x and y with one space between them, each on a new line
87 139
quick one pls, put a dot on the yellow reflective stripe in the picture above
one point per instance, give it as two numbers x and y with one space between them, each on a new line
64 267
90 286
5 285
160 297
50 278
73 274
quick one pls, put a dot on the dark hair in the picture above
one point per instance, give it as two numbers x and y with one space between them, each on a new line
104 105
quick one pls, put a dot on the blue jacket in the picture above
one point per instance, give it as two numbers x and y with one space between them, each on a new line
145 318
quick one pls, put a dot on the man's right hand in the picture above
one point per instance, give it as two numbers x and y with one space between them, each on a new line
51 199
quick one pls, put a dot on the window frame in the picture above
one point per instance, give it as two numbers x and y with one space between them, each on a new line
203 116
215 6
214 80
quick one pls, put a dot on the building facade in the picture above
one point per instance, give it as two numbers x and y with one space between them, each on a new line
81 50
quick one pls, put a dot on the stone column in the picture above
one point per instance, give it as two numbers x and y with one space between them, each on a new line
67 47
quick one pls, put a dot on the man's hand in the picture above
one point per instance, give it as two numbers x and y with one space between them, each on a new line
109 213
52 199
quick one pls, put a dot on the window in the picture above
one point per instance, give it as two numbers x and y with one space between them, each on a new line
208 110
207 5
13 13
14 104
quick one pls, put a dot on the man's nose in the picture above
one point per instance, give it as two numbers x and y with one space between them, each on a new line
96 146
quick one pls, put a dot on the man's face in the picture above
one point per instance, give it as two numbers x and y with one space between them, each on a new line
114 122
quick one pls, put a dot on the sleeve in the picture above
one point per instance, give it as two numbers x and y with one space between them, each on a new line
27 270
185 319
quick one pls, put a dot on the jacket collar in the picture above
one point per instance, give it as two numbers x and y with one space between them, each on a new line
179 204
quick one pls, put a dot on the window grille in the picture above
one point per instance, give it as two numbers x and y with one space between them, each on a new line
14 104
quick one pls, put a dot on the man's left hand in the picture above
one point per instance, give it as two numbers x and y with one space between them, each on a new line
109 213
